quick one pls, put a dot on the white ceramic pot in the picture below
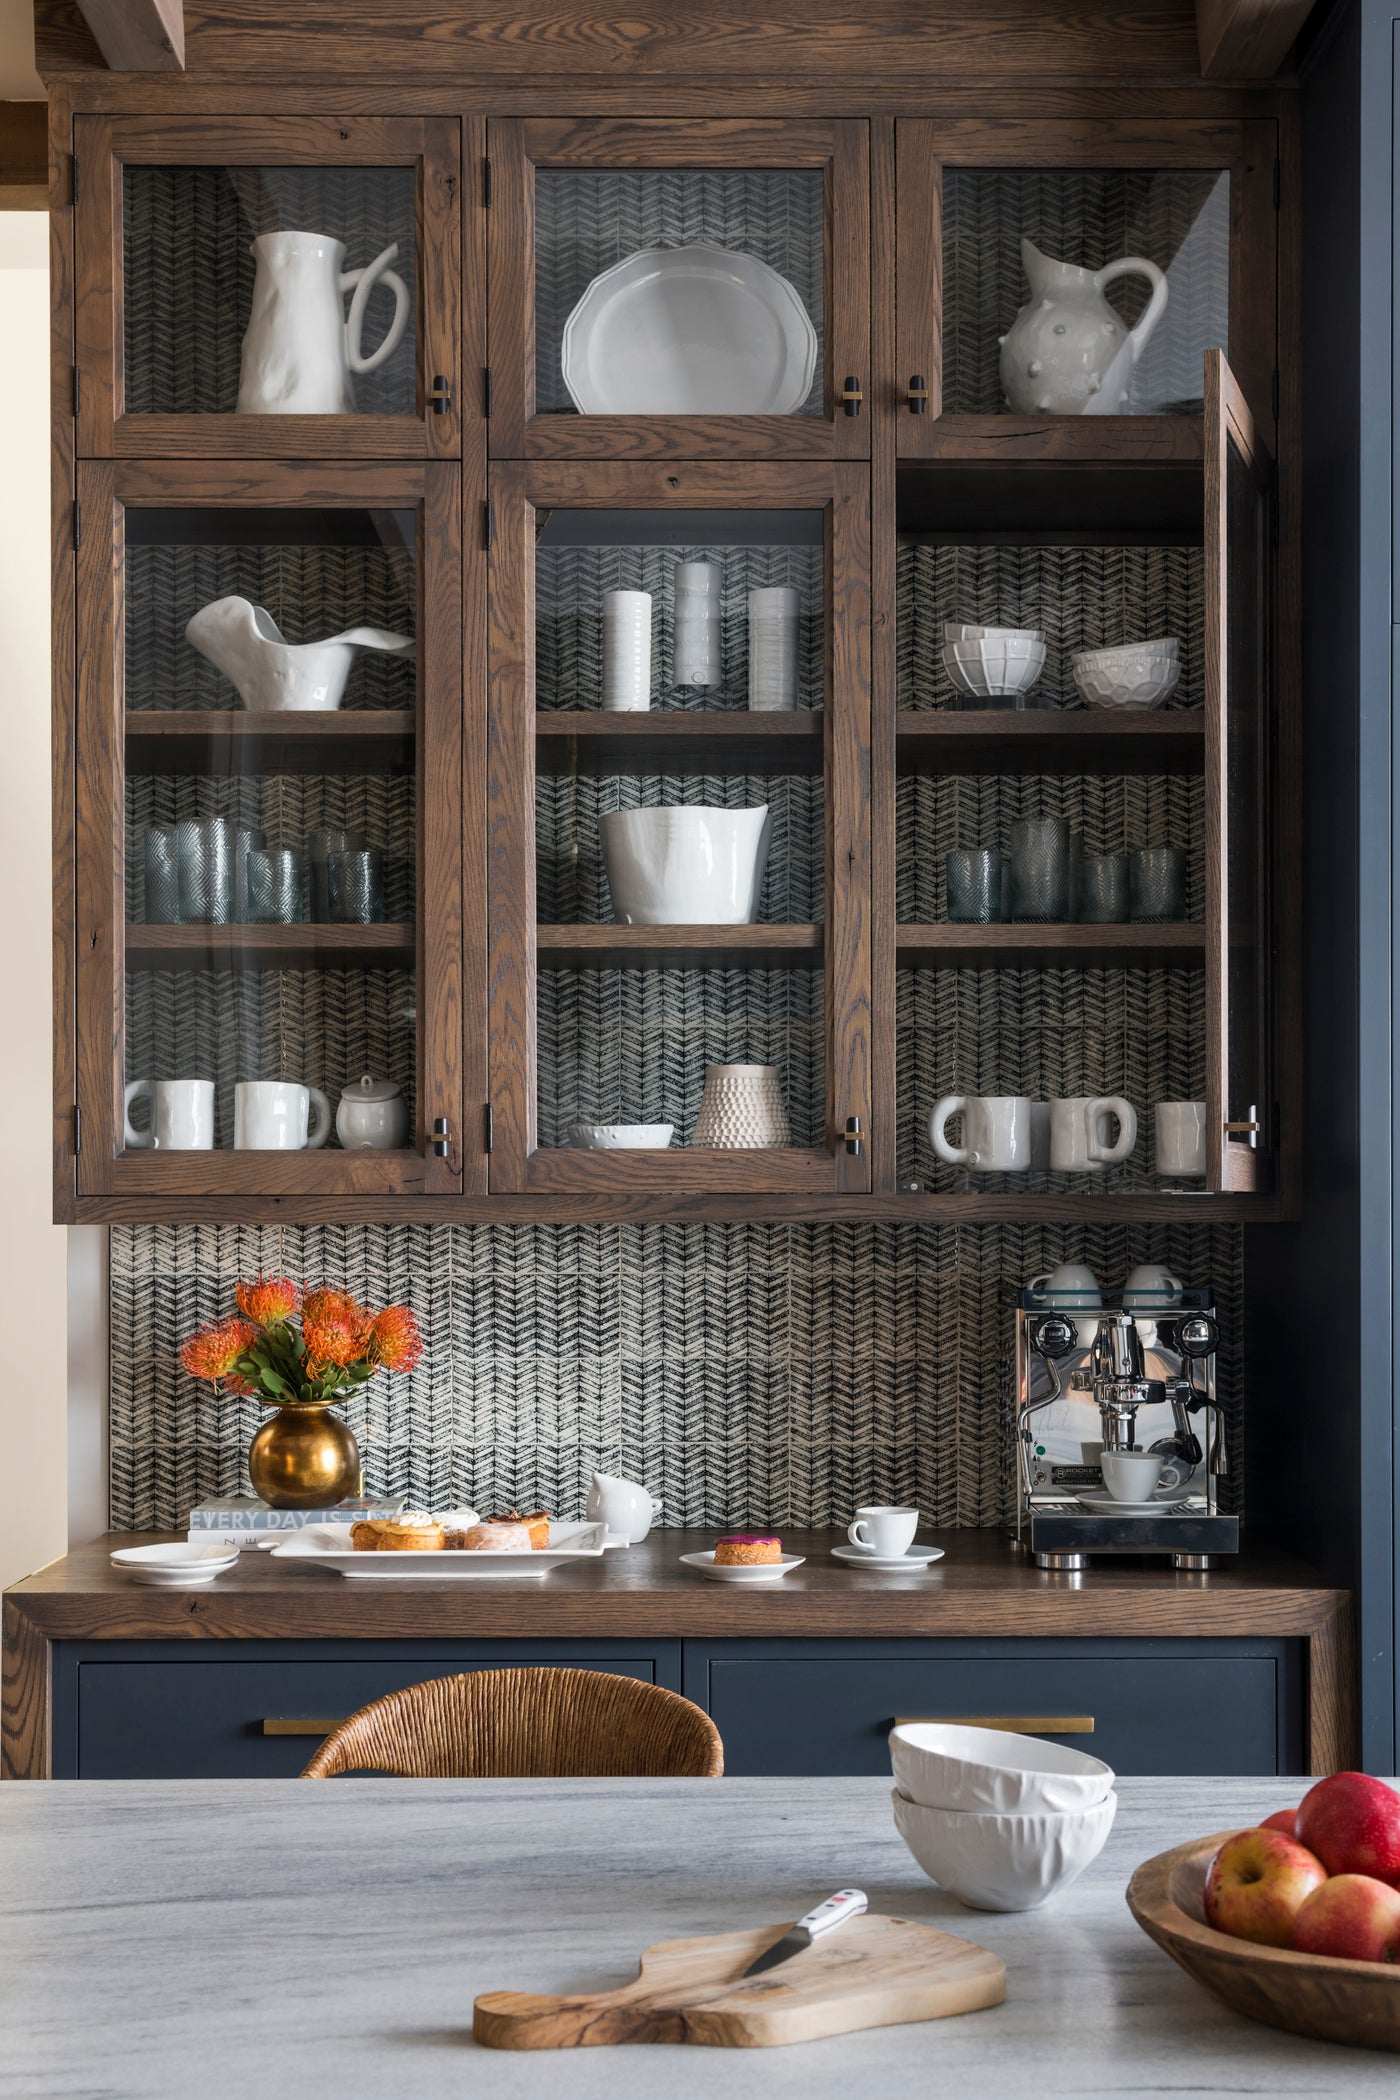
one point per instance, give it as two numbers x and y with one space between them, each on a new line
622 1505
1141 675
741 1108
685 867
244 642
1003 1862
992 1771
1067 353
620 1137
301 347
372 1116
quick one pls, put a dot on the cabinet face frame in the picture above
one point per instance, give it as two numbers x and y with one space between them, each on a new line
838 148
107 489
519 492
925 146
106 145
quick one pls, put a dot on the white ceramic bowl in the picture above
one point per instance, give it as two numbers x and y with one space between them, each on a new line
1003 1862
620 1137
943 1764
685 867
1140 676
968 631
991 670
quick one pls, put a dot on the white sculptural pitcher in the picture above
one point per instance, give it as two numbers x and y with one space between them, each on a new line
1067 353
244 642
300 348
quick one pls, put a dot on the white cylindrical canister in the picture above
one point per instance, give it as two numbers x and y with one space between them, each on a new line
695 654
626 650
773 648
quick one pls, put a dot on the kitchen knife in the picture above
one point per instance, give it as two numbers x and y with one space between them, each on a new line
846 1903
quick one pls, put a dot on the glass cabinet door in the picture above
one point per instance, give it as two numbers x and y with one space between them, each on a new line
678 829
270 917
1059 282
679 289
268 286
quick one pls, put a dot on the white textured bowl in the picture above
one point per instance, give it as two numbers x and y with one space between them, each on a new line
1140 676
685 866
968 631
993 670
1003 1862
943 1764
620 1137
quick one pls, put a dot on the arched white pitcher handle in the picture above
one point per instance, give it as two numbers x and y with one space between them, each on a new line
956 1156
1138 266
363 283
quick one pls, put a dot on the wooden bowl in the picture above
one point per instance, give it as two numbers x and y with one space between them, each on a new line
1335 2001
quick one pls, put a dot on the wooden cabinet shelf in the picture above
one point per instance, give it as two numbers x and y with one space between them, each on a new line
680 947
1050 947
269 947
678 740
1042 740
239 741
1102 441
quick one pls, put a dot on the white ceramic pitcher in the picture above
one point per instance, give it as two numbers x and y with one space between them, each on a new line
300 348
624 1506
244 642
1067 353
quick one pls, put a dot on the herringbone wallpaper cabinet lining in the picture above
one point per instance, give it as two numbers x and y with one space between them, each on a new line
749 1374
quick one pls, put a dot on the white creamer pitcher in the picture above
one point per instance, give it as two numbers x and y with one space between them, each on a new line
1067 353
624 1506
300 348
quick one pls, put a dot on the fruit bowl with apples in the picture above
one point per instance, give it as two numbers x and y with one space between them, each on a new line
1297 1922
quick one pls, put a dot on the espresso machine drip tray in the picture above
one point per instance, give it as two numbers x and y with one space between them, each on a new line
1062 1535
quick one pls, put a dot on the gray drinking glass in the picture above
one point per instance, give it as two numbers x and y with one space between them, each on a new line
1103 889
245 841
1044 871
204 853
1158 883
162 871
321 842
976 886
355 887
275 886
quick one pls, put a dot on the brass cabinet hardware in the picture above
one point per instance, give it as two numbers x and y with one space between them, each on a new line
1244 1126
440 394
851 396
917 395
278 1724
440 1137
852 1137
1016 1724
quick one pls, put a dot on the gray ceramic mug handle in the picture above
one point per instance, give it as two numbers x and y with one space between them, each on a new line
320 1119
138 1140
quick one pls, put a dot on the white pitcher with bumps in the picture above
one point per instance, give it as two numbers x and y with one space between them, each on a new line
1067 353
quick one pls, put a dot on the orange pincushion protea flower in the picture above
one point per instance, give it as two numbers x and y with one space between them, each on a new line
214 1351
327 1303
394 1340
333 1337
270 1299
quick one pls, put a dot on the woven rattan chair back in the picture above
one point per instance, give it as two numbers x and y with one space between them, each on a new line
526 1724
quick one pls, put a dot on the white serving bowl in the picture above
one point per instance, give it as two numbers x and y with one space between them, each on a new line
943 1764
1137 676
1003 1862
968 631
620 1137
990 670
685 866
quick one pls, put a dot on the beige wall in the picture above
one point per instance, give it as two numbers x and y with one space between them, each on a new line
33 1252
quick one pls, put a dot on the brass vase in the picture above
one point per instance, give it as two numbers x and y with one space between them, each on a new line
304 1457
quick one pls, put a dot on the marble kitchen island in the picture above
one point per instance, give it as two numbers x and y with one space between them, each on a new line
161 1939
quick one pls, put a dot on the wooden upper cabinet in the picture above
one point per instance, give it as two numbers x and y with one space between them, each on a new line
674 289
233 272
1193 199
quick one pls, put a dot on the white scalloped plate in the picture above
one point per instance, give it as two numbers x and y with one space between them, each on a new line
328 1546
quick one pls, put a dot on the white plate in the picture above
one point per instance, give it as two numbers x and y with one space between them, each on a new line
742 1571
1097 1499
914 1558
187 1564
697 331
328 1546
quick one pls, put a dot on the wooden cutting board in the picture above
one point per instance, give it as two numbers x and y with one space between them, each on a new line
872 1972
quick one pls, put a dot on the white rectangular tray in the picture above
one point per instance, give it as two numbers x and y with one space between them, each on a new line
328 1546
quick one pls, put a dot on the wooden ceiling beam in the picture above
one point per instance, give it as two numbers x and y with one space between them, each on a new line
138 36
24 156
1247 39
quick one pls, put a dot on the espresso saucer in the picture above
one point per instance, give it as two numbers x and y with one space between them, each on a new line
1098 1501
906 1563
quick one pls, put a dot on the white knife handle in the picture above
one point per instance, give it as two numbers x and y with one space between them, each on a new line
846 1903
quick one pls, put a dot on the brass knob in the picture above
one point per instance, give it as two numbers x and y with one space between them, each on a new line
853 1140
917 395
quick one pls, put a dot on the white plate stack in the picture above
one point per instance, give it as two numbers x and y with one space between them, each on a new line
185 1564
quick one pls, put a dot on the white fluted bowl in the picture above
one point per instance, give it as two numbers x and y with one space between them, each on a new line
969 631
1003 1862
685 866
620 1137
944 1764
1139 675
994 669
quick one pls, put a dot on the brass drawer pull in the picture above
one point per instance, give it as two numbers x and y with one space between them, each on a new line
1015 1724
852 396
278 1724
917 395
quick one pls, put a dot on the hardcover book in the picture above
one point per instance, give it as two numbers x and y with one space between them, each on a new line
250 1519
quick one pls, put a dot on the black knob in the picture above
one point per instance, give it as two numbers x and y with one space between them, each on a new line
917 395
851 396
1053 1335
1198 1336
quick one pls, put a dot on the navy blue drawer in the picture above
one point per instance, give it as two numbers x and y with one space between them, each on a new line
1161 1707
162 1710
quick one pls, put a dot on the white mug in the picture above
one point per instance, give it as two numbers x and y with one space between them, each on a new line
882 1530
1131 1476
1181 1139
274 1115
1079 1133
1150 1285
996 1132
1072 1285
182 1115
626 651
1040 1137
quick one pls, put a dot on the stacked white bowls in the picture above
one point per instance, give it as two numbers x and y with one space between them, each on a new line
1137 675
1000 1821
992 663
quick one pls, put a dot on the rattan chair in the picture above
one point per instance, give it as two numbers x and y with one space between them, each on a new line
526 1724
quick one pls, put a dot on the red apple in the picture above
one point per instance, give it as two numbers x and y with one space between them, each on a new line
1256 1883
1283 1819
1352 1823
1353 1916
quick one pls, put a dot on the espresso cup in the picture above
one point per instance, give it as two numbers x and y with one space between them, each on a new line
1131 1476
182 1115
996 1132
275 1115
1181 1139
883 1531
1081 1140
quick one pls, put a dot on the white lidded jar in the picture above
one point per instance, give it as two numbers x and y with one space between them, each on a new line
372 1116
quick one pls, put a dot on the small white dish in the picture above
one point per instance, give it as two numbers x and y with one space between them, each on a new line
187 1564
751 1571
998 1862
908 1562
993 1771
613 1540
1099 1502
621 1137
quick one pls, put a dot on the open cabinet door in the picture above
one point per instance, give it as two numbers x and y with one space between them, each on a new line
1242 745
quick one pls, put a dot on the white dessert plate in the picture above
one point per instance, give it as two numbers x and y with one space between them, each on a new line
184 1565
750 1571
695 331
911 1560
1098 1499
328 1546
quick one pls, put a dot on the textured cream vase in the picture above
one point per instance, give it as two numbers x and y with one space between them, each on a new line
741 1107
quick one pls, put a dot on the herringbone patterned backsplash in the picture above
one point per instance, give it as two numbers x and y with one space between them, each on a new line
766 1374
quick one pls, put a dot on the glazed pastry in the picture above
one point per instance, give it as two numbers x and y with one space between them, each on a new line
537 1524
746 1549
364 1536
493 1538
411 1534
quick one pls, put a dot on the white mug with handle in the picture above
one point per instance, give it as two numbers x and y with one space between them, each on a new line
1079 1133
182 1115
276 1115
883 1531
996 1132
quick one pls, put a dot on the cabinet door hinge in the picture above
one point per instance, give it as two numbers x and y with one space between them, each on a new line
490 1129
486 391
488 518
1278 184
77 390
72 178
486 183
77 1130
77 526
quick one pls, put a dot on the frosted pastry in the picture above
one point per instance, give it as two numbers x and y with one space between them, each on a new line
746 1549
494 1538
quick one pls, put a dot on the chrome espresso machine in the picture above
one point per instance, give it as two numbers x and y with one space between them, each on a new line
1095 1378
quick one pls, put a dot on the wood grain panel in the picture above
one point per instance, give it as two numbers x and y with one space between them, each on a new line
24 156
1247 39
678 740
1036 740
510 827
138 36
679 947
25 1731
269 947
63 652
1053 947
680 1169
99 842
476 1079
848 825
441 840
884 670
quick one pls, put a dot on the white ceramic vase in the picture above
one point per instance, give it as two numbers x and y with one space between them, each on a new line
773 615
740 1109
243 641
695 648
301 348
685 866
626 651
